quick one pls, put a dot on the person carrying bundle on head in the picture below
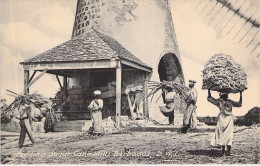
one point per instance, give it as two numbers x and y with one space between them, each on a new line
96 106
190 119
225 126
25 114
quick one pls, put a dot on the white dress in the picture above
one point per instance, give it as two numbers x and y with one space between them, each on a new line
96 115
225 126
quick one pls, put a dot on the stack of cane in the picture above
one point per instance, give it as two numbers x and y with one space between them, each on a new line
221 73
164 85
8 111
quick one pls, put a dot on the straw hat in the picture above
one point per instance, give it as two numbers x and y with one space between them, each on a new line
127 90
133 89
97 92
139 88
223 93
192 81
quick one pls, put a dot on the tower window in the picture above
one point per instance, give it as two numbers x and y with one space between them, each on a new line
86 17
82 25
87 23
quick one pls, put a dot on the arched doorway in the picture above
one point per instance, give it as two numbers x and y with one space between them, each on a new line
169 69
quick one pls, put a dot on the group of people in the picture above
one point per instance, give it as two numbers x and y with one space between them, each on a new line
26 113
223 134
225 126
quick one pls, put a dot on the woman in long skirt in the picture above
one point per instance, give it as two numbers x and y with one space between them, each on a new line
49 119
224 130
96 114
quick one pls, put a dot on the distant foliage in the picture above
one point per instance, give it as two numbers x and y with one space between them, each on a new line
212 121
252 117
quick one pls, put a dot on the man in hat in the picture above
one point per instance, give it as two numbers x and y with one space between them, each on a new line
25 114
190 119
96 106
224 130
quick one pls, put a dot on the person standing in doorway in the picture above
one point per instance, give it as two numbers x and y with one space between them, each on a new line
25 115
190 119
224 130
96 106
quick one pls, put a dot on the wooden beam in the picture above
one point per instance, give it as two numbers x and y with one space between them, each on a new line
37 78
65 87
137 66
145 103
118 92
71 65
59 81
60 73
26 81
32 76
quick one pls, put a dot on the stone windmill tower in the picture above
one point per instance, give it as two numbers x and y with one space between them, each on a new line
145 28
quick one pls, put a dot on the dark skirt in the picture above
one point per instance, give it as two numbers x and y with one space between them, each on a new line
49 122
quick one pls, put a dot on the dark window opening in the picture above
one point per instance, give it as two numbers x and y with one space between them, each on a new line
101 79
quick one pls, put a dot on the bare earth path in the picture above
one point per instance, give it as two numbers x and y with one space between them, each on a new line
128 148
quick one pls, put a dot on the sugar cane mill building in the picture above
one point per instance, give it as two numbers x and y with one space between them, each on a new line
86 63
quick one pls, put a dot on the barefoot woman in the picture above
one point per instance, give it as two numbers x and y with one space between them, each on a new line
224 130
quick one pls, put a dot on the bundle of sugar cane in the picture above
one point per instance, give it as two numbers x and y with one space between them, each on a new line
35 98
178 88
221 73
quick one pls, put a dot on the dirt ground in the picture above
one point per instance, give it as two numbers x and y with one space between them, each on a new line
129 148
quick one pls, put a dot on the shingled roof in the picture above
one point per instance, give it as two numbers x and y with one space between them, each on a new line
90 46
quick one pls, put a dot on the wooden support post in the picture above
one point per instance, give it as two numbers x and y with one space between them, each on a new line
59 81
118 92
37 78
145 104
65 86
32 76
26 81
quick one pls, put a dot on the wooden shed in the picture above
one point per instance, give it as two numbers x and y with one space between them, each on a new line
89 62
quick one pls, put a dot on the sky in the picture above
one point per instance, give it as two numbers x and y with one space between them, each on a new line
30 27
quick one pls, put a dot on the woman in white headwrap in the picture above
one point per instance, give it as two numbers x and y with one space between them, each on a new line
96 115
224 130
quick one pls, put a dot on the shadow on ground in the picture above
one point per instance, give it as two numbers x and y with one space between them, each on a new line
210 153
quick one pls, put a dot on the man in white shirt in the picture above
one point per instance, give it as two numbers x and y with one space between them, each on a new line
25 113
